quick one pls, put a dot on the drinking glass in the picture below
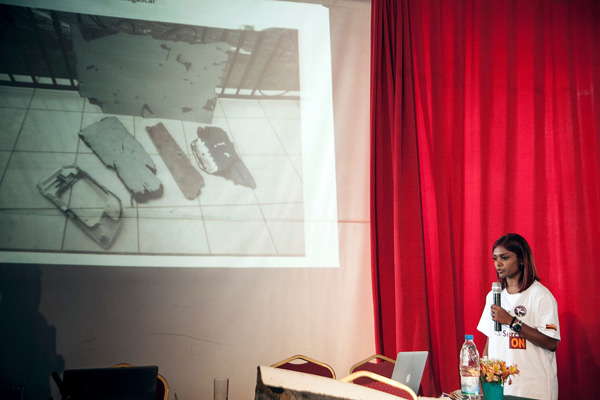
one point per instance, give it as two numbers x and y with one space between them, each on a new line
221 388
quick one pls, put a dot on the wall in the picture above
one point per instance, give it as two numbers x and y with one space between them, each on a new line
197 324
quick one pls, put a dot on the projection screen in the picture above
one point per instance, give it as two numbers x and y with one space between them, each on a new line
167 133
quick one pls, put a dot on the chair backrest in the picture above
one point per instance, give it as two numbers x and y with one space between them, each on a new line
377 363
381 383
162 387
306 364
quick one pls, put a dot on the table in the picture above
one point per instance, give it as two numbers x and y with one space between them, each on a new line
506 397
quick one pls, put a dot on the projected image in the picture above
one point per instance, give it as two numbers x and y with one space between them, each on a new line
141 137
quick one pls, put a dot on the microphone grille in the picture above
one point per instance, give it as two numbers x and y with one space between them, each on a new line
496 287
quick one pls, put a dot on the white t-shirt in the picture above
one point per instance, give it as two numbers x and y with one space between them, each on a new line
537 308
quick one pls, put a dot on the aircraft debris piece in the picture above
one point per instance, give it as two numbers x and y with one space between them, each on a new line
186 176
141 75
118 149
100 225
216 154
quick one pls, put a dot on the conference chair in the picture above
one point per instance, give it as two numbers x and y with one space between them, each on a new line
378 382
377 363
162 387
307 365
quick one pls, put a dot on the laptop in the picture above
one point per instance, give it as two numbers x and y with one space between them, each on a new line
409 368
131 383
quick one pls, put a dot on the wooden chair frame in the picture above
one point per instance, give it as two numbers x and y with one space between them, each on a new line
305 358
159 377
379 378
366 360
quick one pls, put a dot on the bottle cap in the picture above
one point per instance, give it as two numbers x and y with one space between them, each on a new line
468 337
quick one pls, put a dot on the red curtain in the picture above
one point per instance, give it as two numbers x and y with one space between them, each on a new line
484 120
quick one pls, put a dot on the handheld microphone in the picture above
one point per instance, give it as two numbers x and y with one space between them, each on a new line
496 289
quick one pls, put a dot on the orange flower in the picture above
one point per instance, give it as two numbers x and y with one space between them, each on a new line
492 370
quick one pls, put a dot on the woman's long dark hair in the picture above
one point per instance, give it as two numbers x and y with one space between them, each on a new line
518 245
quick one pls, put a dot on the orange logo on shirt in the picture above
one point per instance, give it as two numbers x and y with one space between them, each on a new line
551 326
517 342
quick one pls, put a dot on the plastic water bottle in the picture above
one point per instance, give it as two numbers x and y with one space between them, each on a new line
469 369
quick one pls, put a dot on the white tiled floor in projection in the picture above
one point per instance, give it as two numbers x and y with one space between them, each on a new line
39 133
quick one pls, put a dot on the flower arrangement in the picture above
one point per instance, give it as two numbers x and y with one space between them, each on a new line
496 371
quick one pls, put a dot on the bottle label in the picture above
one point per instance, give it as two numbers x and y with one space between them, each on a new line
469 385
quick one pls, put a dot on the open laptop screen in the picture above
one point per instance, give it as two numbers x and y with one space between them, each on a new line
131 383
409 368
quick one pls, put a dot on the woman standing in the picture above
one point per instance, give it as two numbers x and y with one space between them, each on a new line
529 317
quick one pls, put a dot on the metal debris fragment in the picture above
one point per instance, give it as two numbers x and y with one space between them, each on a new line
118 149
216 154
100 225
186 176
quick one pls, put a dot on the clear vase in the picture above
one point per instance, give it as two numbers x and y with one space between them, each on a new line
492 390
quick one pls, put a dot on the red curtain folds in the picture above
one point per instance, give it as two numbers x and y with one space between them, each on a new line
484 120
